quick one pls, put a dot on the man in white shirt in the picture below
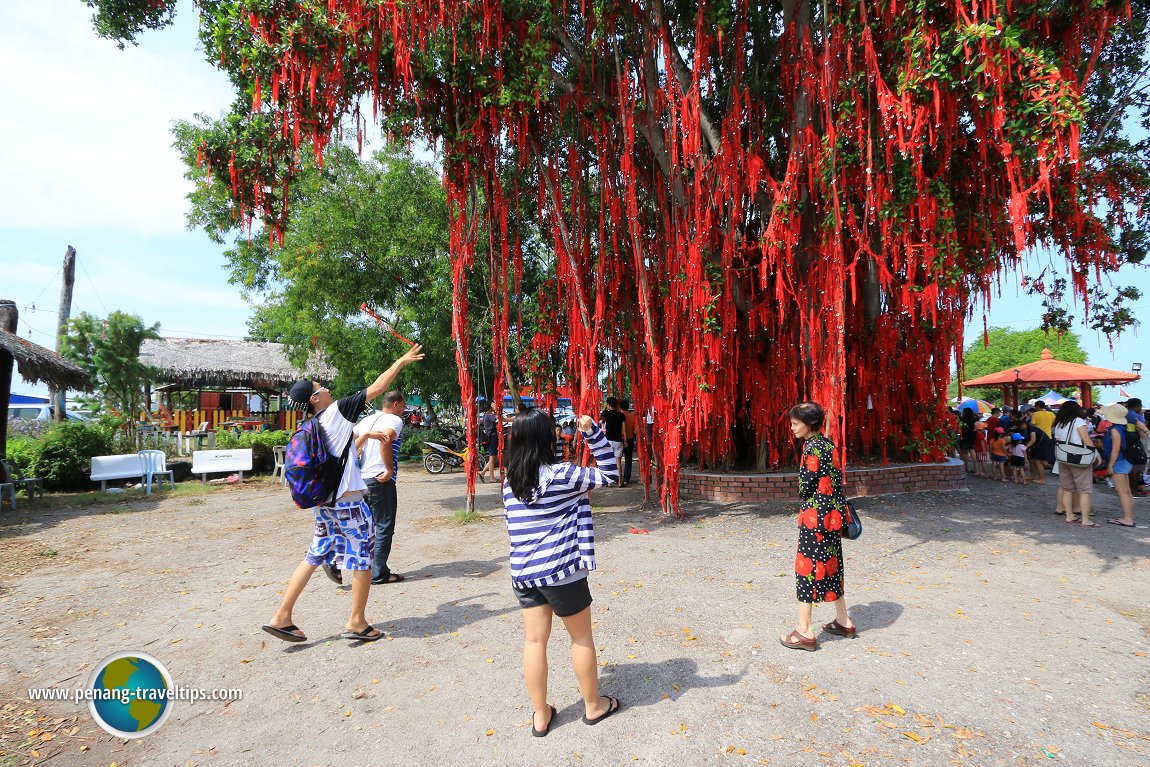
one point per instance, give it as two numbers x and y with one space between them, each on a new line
377 440
343 528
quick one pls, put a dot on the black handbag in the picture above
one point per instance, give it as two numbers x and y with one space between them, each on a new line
852 530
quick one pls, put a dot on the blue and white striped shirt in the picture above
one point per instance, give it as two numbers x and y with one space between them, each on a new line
552 536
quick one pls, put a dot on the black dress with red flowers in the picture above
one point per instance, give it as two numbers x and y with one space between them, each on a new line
819 562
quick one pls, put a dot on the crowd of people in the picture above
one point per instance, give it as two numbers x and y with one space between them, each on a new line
1081 445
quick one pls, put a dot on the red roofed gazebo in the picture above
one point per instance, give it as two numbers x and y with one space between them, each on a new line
1050 373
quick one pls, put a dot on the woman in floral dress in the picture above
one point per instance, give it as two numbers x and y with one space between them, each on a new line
819 561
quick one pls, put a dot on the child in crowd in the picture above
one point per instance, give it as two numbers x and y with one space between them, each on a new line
1017 459
998 454
981 450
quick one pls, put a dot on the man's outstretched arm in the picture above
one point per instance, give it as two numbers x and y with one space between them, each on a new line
387 377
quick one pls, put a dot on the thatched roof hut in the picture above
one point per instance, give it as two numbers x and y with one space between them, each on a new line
37 364
197 362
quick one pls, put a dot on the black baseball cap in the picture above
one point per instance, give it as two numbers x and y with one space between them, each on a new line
301 391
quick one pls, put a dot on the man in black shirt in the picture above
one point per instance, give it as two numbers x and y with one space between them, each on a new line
612 420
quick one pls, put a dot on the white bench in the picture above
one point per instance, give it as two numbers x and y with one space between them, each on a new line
126 466
206 462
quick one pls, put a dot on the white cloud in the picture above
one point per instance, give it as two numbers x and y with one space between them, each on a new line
86 126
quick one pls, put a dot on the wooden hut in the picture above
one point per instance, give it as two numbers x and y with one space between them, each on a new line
35 364
215 369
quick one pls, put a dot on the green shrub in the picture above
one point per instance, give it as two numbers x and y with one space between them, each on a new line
23 452
412 440
65 458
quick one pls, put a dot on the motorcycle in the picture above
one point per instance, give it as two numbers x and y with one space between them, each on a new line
438 457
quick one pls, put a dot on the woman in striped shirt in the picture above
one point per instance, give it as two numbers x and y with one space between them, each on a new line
552 550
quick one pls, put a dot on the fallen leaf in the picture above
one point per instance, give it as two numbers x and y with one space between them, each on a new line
919 739
896 708
490 732
814 717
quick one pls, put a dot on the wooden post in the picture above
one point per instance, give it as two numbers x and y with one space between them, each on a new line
9 315
57 397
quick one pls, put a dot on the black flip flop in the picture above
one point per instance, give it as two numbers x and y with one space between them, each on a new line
543 733
285 632
612 707
365 635
1119 522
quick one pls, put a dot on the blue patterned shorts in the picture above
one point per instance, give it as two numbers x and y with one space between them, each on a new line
344 536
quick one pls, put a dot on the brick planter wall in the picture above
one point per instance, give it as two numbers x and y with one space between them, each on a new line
882 480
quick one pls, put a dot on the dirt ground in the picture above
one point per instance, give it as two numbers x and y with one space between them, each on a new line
991 633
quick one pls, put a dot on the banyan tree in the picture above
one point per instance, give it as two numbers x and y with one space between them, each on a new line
747 203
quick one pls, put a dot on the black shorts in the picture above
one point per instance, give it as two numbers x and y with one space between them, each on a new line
1016 460
566 600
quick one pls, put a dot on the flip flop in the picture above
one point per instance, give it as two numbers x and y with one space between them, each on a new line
1118 522
286 633
393 578
365 635
543 733
1092 524
612 707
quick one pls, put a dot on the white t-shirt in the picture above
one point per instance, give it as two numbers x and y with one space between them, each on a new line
338 421
372 462
1068 433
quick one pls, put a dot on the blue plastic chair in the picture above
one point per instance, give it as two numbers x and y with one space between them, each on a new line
156 465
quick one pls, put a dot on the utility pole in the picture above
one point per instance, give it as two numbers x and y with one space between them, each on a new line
69 279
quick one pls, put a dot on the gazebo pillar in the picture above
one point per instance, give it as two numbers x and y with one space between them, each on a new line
1085 395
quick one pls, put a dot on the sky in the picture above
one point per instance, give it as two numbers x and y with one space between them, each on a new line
88 162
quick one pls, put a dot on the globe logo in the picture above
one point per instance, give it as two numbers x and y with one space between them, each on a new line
129 694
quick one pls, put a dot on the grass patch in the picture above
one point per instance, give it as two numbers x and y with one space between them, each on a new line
465 517
190 489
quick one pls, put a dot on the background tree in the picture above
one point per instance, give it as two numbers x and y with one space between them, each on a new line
371 230
109 350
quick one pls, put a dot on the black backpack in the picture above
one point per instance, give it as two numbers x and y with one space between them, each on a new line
1134 452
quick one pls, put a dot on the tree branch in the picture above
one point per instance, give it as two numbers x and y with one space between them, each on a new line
683 74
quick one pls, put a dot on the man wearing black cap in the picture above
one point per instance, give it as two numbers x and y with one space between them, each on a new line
343 531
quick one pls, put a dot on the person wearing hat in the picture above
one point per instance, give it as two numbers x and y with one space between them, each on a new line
344 530
998 453
1136 429
1017 451
1117 467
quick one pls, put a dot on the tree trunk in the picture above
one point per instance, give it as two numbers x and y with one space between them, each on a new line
8 318
58 396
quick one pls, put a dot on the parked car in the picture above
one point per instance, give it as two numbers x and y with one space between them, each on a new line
40 413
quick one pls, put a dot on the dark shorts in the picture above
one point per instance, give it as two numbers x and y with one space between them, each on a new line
1017 460
998 458
566 600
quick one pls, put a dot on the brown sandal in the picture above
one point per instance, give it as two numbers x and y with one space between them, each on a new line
834 627
797 641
